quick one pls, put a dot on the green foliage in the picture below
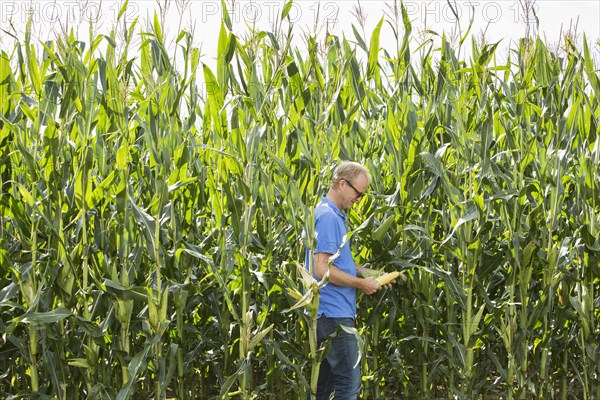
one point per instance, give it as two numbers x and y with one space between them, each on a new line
152 227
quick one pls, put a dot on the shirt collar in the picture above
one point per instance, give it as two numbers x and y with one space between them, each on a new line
330 204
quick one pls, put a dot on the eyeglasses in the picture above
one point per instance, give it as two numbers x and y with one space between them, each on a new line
358 193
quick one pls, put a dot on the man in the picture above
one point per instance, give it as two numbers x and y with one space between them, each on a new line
339 372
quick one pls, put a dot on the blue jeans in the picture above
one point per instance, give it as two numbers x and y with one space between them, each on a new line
339 373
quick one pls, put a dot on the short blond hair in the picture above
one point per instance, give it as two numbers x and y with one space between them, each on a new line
347 171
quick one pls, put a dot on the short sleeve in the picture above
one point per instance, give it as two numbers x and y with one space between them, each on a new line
327 234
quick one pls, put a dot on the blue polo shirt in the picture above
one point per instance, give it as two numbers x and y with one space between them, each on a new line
330 227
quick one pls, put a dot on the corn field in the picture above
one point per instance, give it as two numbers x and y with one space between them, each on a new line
154 211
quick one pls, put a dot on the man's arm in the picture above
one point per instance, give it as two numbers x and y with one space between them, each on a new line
341 278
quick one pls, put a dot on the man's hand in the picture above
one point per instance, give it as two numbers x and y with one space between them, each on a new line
369 286
389 285
373 273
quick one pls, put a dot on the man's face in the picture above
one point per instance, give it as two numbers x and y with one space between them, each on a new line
353 190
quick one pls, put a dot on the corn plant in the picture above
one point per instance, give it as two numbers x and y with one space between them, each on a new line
155 209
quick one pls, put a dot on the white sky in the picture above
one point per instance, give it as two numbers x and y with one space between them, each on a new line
502 20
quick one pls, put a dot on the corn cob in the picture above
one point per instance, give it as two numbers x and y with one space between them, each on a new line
387 278
296 295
